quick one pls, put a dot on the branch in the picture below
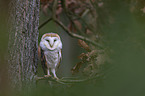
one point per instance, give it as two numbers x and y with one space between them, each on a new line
76 35
69 32
54 9
65 81
45 22
69 14
66 29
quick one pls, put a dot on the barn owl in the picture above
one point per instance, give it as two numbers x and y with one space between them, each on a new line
50 46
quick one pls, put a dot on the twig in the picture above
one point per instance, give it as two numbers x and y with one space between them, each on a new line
68 13
64 81
69 77
45 22
76 27
76 35
66 29
54 9
48 78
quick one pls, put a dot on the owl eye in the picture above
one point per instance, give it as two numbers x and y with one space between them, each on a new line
54 40
47 40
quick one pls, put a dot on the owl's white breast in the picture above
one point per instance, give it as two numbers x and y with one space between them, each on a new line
52 58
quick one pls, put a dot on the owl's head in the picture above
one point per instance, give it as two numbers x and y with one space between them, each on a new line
50 41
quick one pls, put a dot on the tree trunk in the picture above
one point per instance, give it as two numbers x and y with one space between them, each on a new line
23 42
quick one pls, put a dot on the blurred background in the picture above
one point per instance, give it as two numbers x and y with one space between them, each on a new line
3 43
121 30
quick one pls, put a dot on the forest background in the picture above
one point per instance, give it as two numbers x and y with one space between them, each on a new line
120 27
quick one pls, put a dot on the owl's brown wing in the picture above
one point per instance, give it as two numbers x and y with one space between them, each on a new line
60 58
43 61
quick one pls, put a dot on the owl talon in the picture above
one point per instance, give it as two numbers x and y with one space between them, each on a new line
47 75
56 78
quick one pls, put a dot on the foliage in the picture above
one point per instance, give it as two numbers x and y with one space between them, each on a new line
119 28
81 22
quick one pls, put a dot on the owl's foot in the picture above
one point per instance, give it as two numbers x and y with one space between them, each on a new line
47 76
56 78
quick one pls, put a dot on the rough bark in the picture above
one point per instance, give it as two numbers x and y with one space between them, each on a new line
23 42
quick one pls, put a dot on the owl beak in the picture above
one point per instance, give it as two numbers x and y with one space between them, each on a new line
51 45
